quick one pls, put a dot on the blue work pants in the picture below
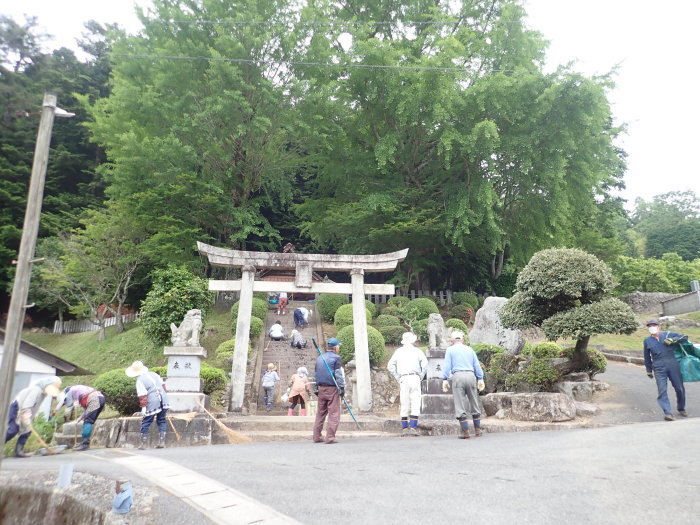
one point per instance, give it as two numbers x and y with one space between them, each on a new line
668 370
160 421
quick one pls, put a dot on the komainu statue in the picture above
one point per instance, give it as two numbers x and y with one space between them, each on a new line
439 335
187 334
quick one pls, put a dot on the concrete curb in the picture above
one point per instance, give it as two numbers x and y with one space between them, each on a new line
624 358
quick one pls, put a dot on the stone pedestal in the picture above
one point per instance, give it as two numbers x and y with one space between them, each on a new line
184 383
434 402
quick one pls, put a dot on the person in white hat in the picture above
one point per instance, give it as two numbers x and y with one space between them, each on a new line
463 365
153 400
24 409
269 381
409 366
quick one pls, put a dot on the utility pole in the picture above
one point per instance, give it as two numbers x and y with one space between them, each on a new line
20 288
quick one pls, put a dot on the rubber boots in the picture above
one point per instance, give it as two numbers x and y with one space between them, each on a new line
161 440
290 411
303 411
83 445
19 450
142 443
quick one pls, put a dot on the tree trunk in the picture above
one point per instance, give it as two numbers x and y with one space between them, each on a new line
580 357
497 265
101 333
60 321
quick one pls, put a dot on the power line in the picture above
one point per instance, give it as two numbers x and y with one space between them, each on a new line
311 64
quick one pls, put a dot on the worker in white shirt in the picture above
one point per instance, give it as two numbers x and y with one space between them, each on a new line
409 366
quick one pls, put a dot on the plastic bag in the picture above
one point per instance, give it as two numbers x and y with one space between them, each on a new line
689 363
284 397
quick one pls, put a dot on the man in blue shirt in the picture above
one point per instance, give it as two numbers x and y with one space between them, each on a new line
467 376
330 387
659 357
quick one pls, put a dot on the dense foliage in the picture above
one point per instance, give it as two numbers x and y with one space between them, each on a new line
259 309
343 316
119 391
175 291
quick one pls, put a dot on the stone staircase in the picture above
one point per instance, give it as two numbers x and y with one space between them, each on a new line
286 358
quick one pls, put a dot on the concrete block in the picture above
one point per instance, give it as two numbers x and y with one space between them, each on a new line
183 384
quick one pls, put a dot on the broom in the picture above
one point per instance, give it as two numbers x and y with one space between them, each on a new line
43 443
187 417
233 436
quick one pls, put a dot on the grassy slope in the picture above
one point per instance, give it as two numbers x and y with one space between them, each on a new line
120 350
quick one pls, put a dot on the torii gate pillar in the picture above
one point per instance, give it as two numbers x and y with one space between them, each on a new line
240 349
364 381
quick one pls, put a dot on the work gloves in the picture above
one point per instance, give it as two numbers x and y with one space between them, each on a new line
445 385
650 375
480 385
673 340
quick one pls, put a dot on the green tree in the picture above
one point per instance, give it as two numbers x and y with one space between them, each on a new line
566 292
175 290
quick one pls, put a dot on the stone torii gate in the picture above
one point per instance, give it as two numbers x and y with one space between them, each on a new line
304 265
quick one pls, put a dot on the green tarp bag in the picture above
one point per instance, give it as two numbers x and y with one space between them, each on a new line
689 360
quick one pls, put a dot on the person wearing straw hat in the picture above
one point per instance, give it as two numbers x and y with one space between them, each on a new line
93 403
467 377
409 366
24 409
153 400
269 381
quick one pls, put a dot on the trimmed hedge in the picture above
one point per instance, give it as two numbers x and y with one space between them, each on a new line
375 341
119 390
398 301
259 310
486 352
545 350
465 298
419 308
392 334
256 327
343 316
597 363
328 304
392 310
463 312
371 307
386 320
457 324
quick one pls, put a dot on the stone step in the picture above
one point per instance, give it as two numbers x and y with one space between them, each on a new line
300 423
305 435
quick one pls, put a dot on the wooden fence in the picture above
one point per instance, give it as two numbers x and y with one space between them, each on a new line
85 325
226 299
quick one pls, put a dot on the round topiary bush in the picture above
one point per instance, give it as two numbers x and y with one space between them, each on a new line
544 350
457 324
119 390
225 349
386 320
392 334
375 341
256 327
465 298
343 316
259 310
420 328
463 312
541 373
328 304
371 307
597 364
419 308
398 301
213 378
392 310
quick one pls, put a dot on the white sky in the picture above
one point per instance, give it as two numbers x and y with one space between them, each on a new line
655 45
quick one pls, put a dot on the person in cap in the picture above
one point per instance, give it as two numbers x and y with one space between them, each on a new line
153 400
467 377
25 407
409 366
269 381
330 387
298 391
276 331
92 401
662 365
